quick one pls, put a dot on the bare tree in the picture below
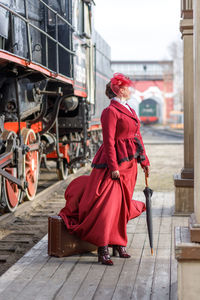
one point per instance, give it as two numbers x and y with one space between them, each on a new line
176 54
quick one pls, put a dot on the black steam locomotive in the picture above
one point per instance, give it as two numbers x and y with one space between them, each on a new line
53 71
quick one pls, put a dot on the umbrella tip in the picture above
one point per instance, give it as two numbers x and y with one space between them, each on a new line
151 251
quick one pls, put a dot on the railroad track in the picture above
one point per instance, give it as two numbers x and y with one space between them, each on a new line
163 133
19 231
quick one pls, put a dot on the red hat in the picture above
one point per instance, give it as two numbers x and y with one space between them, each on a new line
118 81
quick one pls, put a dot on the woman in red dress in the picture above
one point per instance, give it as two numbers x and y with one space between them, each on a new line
99 206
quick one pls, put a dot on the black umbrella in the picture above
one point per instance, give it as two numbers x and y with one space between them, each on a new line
148 193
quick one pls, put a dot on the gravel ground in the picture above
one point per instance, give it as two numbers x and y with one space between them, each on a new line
166 160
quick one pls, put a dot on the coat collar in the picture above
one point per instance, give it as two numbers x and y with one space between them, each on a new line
123 109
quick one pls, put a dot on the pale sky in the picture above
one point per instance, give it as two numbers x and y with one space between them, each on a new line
138 29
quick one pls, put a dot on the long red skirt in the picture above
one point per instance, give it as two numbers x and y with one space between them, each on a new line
99 208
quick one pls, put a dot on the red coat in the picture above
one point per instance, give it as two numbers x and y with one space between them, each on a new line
122 140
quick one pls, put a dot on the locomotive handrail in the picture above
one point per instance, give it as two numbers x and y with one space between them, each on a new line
55 12
28 24
37 28
56 41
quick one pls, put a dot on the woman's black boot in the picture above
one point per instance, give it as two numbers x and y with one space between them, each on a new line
121 250
104 256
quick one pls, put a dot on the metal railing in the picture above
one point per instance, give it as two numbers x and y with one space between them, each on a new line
58 44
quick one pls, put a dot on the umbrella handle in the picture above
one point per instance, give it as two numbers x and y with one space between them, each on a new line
146 180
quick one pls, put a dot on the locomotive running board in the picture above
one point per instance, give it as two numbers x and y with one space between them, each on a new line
7 56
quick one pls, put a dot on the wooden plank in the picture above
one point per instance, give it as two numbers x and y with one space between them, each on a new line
166 225
131 227
95 274
127 277
143 283
91 282
161 281
176 221
21 282
173 269
87 288
114 282
9 276
34 287
75 279
156 225
165 241
109 280
160 288
155 242
54 285
146 275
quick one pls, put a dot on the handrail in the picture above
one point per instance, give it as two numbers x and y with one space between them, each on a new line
55 12
24 19
28 23
37 28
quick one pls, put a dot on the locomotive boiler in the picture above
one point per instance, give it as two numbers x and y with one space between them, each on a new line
48 103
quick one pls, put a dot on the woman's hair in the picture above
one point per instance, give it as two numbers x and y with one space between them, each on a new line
109 93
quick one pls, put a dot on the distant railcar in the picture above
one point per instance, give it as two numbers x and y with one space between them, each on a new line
149 111
176 119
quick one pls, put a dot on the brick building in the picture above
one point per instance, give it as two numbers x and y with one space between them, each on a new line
152 80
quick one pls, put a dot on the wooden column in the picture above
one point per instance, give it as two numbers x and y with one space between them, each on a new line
197 110
184 182
195 218
187 239
187 34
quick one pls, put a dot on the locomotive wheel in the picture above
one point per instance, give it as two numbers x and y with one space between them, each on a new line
62 169
10 193
30 165
75 151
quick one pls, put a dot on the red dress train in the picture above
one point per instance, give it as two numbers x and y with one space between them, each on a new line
98 208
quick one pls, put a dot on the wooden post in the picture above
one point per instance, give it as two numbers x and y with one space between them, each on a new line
195 218
184 182
187 250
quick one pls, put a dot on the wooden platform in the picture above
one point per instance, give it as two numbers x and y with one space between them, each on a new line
40 277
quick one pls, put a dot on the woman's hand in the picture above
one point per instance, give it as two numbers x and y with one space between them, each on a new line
115 174
146 170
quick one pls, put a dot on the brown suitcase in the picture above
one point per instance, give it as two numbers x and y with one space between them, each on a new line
61 243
